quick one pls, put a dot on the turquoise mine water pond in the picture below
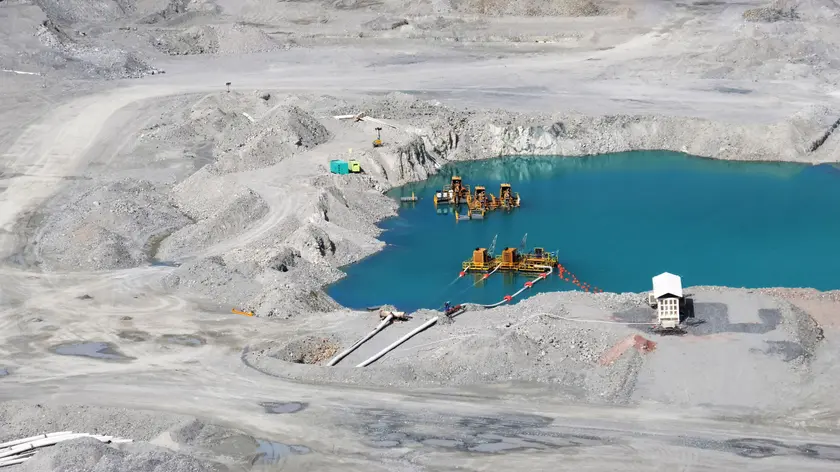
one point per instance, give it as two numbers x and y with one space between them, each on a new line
617 220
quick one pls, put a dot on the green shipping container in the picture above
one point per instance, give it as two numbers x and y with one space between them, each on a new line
355 166
338 166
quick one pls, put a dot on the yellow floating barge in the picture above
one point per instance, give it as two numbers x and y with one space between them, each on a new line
511 260
487 201
455 193
480 202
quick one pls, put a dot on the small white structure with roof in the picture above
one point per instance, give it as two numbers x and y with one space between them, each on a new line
667 296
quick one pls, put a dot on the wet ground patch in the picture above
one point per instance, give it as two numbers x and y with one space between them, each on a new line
159 263
756 448
478 434
235 444
633 100
92 349
735 90
789 351
271 452
709 318
134 335
641 314
153 246
507 433
715 319
278 408
183 340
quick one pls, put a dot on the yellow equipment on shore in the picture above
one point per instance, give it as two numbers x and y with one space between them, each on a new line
378 141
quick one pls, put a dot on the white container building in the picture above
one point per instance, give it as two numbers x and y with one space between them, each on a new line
667 296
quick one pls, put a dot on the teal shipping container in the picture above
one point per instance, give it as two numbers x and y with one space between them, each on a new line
338 166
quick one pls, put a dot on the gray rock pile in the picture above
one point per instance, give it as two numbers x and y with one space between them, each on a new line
88 58
531 7
107 226
285 131
188 443
89 454
216 39
769 14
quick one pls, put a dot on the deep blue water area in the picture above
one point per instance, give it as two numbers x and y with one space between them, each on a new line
617 220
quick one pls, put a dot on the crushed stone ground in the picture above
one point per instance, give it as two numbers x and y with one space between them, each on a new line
163 162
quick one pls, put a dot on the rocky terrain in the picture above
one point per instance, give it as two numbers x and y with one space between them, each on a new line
164 162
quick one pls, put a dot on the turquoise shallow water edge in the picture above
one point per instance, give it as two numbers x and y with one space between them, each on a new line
617 220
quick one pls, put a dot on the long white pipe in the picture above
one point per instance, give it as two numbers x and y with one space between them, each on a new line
33 438
17 449
24 446
22 454
20 72
398 342
11 451
26 454
358 343
14 461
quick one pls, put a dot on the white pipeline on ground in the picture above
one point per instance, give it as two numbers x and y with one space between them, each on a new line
33 438
527 285
21 450
21 72
363 117
398 342
358 343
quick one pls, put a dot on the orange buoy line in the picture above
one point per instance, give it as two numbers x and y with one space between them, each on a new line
507 298
483 277
562 272
568 276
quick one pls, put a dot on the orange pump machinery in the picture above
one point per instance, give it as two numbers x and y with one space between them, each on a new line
455 193
479 199
460 192
507 199
481 259
511 260
509 257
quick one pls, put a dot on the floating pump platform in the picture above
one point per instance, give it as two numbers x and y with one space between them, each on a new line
507 200
454 194
511 260
471 214
479 202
